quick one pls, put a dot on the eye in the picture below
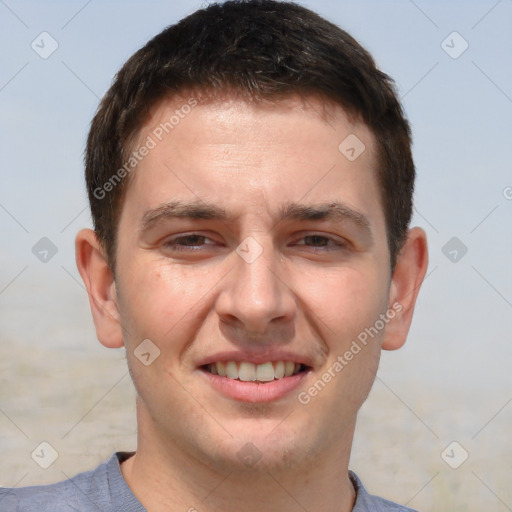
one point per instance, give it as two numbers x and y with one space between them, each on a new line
321 242
192 242
317 240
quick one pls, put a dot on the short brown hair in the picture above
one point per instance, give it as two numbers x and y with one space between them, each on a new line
266 49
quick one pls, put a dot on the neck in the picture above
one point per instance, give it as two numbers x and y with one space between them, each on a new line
166 477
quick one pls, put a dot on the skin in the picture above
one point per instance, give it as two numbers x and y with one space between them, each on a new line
316 285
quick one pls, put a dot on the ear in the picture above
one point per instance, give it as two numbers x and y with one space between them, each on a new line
99 282
409 273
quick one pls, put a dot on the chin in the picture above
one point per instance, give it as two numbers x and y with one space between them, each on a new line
257 448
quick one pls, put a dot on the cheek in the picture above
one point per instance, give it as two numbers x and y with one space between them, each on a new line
343 306
160 303
345 302
163 302
146 298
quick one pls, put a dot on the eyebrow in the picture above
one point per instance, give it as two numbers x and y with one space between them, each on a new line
335 211
184 210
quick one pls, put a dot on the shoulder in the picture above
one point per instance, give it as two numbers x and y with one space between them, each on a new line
368 503
89 491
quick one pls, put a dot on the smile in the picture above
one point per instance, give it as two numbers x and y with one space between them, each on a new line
249 372
244 381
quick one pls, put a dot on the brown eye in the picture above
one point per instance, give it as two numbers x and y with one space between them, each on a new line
192 242
316 240
321 243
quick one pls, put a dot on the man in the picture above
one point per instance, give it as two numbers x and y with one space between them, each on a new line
250 180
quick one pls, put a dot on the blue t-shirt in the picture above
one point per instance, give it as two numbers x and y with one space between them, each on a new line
105 490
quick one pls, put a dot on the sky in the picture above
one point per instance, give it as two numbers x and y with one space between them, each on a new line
452 66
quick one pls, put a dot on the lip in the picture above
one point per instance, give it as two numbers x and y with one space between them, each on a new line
255 392
259 357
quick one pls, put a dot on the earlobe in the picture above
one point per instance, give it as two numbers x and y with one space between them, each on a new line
410 270
101 288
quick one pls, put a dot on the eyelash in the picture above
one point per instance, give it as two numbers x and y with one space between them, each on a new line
175 245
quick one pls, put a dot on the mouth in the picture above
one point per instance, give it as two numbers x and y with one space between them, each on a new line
249 372
249 382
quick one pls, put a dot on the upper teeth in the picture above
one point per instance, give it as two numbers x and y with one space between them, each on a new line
247 372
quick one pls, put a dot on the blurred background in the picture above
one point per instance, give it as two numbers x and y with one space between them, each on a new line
435 431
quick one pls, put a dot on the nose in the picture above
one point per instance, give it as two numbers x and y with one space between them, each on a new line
256 296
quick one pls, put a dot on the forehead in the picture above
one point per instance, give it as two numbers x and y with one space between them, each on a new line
232 110
240 152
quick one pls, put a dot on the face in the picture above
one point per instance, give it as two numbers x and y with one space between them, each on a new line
252 253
